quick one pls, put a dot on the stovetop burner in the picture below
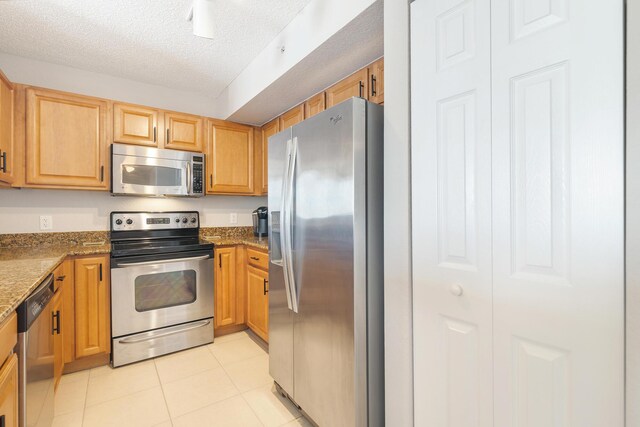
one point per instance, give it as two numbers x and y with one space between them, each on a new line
145 233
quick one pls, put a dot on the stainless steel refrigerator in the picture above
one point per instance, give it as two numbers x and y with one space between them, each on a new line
325 269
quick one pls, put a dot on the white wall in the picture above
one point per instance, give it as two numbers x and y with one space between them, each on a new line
632 216
398 294
313 26
20 210
53 76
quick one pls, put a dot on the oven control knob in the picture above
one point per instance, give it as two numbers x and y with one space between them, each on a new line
184 220
129 221
118 221
193 220
177 220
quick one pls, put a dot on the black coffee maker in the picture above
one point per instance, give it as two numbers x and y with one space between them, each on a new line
260 221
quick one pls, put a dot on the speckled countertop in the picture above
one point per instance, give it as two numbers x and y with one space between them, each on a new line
22 269
27 259
240 240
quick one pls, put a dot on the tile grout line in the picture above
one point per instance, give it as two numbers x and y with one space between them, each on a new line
164 397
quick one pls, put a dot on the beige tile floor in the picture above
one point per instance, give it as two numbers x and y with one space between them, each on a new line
226 383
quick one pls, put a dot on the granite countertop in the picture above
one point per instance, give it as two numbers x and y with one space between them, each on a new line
252 241
22 269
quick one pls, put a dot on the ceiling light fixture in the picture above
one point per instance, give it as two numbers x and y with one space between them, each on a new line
202 14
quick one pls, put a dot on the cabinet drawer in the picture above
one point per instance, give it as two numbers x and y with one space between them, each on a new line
258 258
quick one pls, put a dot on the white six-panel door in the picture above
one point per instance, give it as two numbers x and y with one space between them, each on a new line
451 170
517 182
558 206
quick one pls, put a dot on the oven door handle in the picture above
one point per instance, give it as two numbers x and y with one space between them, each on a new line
163 261
135 340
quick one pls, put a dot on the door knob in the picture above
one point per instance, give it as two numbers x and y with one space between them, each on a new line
456 290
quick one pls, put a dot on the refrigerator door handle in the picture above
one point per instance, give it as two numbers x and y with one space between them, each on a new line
283 226
288 250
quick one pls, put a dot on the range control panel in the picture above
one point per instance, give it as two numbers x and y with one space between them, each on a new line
130 221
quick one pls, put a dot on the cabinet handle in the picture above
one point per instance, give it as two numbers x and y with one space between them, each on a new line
360 88
101 272
60 278
155 134
55 320
2 421
220 260
255 258
101 173
3 156
373 85
211 180
264 286
168 136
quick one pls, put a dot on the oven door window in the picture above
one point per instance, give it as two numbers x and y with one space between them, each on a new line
156 176
163 290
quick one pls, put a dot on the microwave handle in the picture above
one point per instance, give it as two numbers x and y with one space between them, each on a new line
189 180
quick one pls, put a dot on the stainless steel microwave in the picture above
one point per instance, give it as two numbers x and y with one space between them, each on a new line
143 171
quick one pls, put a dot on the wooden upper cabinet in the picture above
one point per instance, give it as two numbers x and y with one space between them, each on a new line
292 117
6 130
183 132
230 158
135 125
66 140
314 105
92 318
268 130
376 81
356 84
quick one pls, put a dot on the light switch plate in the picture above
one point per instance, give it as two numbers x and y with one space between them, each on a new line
233 218
46 222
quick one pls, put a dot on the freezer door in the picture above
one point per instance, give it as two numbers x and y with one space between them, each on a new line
323 263
280 317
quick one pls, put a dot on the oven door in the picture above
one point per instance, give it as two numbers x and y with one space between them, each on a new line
150 176
150 292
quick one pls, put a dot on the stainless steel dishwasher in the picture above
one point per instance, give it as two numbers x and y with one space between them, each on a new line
35 356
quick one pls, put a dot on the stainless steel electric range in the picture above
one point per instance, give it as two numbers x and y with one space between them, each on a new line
161 285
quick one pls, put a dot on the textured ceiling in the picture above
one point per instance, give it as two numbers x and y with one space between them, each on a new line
144 40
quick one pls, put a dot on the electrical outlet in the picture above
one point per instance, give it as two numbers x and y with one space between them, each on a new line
233 218
46 222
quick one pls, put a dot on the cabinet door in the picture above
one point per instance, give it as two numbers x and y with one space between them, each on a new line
268 130
66 140
376 82
230 158
135 125
92 305
258 301
64 283
6 130
183 132
314 105
58 344
9 392
356 84
292 117
225 290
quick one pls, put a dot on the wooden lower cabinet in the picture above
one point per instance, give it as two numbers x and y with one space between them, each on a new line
229 294
92 309
9 392
258 301
58 344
